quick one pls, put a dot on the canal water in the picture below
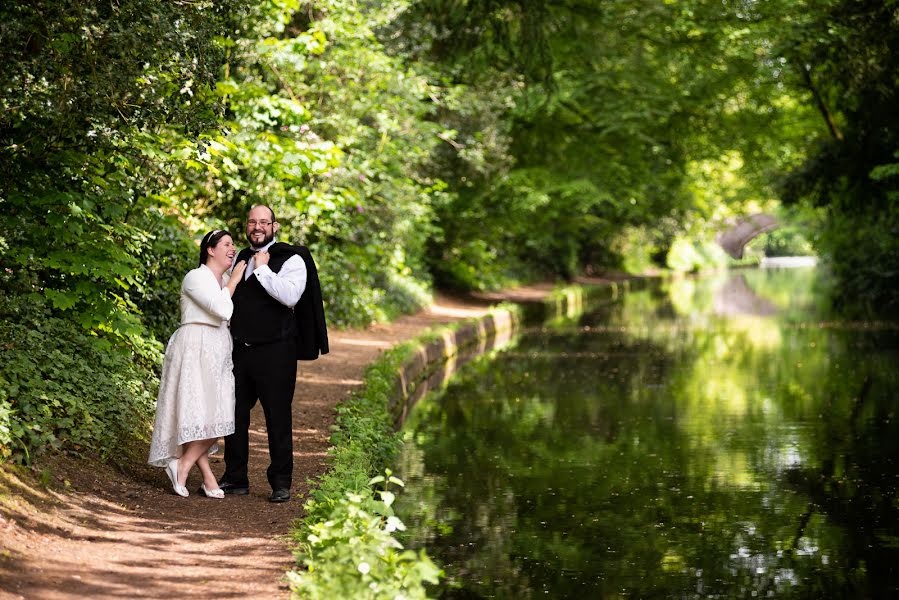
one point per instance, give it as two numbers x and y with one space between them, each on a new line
717 437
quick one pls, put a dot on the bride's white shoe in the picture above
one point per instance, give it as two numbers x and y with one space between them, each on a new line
216 493
171 470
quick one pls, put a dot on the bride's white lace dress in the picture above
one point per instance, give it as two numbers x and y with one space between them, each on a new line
196 392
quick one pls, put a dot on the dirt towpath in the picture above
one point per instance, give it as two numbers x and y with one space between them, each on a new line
89 531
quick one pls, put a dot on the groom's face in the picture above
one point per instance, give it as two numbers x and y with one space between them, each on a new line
260 229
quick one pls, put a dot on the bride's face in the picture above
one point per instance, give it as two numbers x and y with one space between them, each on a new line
222 254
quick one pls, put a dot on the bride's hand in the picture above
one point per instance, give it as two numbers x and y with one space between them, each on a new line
236 275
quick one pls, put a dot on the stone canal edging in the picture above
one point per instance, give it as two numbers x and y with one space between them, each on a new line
440 354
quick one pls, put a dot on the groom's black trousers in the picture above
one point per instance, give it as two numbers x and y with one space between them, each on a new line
267 372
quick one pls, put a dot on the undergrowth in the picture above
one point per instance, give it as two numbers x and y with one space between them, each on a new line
345 544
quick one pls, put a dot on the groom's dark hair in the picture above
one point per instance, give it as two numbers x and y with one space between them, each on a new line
211 240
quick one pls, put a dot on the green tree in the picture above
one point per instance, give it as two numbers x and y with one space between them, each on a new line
88 91
601 110
331 131
843 56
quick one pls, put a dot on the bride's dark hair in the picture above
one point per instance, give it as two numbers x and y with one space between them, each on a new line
211 240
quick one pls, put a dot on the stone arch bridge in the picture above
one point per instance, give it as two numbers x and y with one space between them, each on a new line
743 230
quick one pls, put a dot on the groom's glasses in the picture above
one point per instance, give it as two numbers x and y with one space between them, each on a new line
254 222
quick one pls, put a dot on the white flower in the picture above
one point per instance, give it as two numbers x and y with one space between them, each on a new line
364 567
393 524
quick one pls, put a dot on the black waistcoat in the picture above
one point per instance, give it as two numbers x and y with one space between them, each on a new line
258 318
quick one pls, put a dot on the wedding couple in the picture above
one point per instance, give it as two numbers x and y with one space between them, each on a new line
239 340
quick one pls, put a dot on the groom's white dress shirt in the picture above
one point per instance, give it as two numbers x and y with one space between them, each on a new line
287 285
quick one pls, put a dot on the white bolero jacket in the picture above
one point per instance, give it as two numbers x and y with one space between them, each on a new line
202 300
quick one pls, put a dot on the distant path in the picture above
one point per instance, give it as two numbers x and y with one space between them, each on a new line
117 536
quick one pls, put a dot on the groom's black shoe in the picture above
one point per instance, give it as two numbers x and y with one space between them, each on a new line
234 490
279 495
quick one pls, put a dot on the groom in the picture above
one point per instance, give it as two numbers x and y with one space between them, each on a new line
264 328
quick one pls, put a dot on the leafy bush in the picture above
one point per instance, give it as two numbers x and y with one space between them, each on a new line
404 294
353 553
76 179
530 224
345 539
784 241
637 247
713 256
863 253
330 130
170 254
61 387
683 257
687 256
359 291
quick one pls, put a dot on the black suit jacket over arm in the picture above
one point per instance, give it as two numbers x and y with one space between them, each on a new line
309 312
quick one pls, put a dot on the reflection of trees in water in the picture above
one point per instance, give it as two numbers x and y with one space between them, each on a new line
854 487
735 297
697 453
825 540
786 293
509 443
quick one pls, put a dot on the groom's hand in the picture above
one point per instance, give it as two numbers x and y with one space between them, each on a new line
261 258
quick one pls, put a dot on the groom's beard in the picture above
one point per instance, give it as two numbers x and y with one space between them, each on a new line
265 240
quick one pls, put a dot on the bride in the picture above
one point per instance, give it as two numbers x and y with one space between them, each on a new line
195 405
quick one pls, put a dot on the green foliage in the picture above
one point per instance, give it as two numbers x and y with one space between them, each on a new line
104 70
845 56
533 224
86 90
687 256
88 93
62 387
862 250
354 554
170 254
328 129
784 241
346 539
683 257
639 248
713 255
601 115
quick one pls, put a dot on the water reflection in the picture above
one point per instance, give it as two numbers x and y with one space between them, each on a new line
664 447
735 297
